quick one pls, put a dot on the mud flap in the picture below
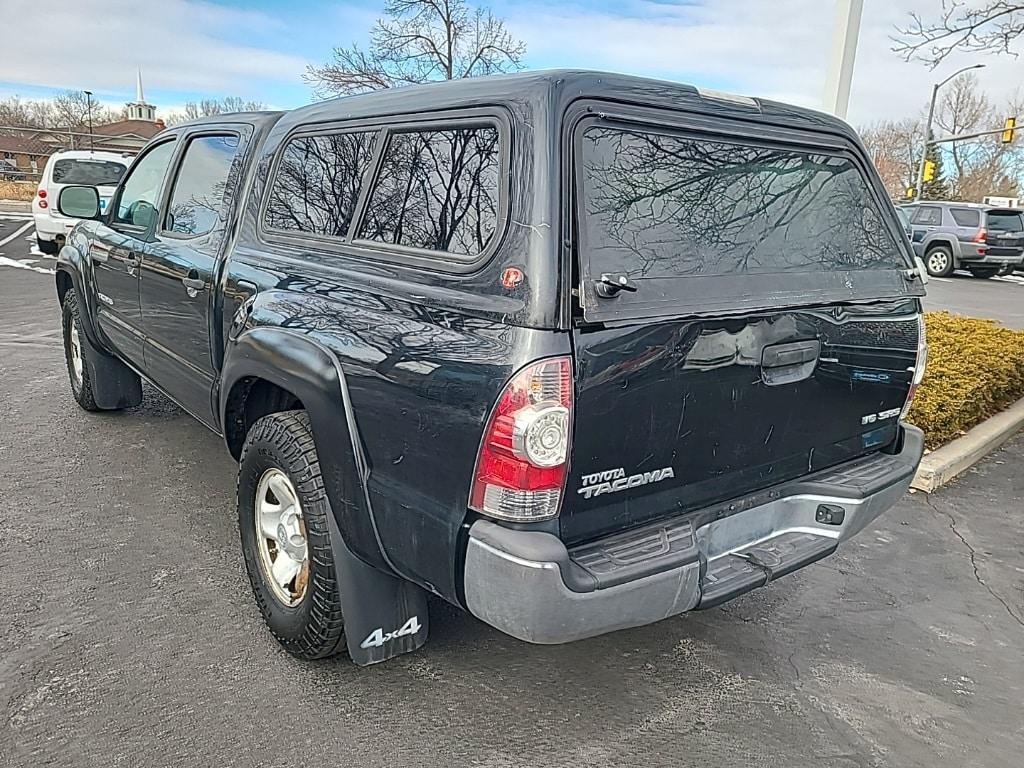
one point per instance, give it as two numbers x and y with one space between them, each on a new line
385 616
114 384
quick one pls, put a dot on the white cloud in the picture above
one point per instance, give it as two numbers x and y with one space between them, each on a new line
778 49
181 45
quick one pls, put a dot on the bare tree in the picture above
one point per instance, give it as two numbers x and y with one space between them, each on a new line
74 110
984 165
25 114
972 168
989 27
421 41
209 107
894 146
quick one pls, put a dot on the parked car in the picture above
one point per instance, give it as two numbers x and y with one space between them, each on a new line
72 166
572 351
9 172
985 240
904 218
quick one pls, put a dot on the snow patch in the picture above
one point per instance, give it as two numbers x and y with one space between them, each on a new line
22 264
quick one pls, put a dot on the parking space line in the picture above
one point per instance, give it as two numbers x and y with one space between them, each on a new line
1010 279
16 233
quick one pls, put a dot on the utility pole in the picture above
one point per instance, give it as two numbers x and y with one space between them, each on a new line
844 44
928 127
88 106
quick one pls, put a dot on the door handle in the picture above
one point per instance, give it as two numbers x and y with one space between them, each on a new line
132 261
789 363
193 283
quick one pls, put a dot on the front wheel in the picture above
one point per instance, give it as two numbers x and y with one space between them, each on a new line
74 355
282 518
939 261
983 272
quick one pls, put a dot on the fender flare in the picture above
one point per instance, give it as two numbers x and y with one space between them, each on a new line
71 262
311 372
385 614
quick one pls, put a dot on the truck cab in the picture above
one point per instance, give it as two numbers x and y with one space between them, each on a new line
572 351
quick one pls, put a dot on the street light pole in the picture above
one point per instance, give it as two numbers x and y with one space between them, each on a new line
928 127
88 105
844 46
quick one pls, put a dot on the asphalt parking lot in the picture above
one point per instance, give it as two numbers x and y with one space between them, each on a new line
129 636
1000 298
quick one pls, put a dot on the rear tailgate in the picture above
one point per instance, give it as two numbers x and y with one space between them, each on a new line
746 320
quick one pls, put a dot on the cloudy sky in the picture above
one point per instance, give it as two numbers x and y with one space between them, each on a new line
258 49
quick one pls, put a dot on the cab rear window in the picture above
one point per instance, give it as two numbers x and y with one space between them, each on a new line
95 173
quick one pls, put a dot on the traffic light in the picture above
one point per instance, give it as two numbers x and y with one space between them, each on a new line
929 170
1008 129
911 193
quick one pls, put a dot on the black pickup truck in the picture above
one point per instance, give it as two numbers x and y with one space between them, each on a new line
573 351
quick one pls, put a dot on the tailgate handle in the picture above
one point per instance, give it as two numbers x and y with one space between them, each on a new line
786 363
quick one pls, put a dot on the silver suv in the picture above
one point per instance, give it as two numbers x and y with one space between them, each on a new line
979 238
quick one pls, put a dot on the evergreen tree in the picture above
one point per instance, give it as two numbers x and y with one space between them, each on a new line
938 187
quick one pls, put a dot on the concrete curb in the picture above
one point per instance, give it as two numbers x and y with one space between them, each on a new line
953 459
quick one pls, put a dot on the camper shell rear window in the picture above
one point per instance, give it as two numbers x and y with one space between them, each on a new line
697 223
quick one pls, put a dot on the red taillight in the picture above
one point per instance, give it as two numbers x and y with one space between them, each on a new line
981 236
42 204
520 470
42 194
919 365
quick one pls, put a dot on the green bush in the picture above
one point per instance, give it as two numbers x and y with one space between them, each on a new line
975 369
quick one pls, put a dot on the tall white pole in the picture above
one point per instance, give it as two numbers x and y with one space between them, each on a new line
844 53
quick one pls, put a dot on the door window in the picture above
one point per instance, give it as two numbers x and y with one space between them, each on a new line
965 217
927 215
202 185
137 204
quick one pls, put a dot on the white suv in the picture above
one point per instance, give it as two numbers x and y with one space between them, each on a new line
73 166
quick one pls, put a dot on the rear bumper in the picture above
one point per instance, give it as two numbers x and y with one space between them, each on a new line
528 585
49 227
987 254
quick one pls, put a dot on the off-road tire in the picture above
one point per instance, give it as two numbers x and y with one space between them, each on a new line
947 265
313 628
983 272
81 387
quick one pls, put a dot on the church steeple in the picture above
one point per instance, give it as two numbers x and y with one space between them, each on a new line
139 109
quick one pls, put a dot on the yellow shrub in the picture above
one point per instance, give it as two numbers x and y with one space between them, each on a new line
975 369
17 190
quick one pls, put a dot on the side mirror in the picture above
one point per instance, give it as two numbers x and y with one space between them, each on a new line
922 270
143 214
79 202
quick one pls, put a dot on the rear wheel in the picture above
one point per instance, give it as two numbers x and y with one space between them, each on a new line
49 247
983 272
939 261
282 518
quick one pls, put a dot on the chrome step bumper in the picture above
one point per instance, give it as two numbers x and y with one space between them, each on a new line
528 585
